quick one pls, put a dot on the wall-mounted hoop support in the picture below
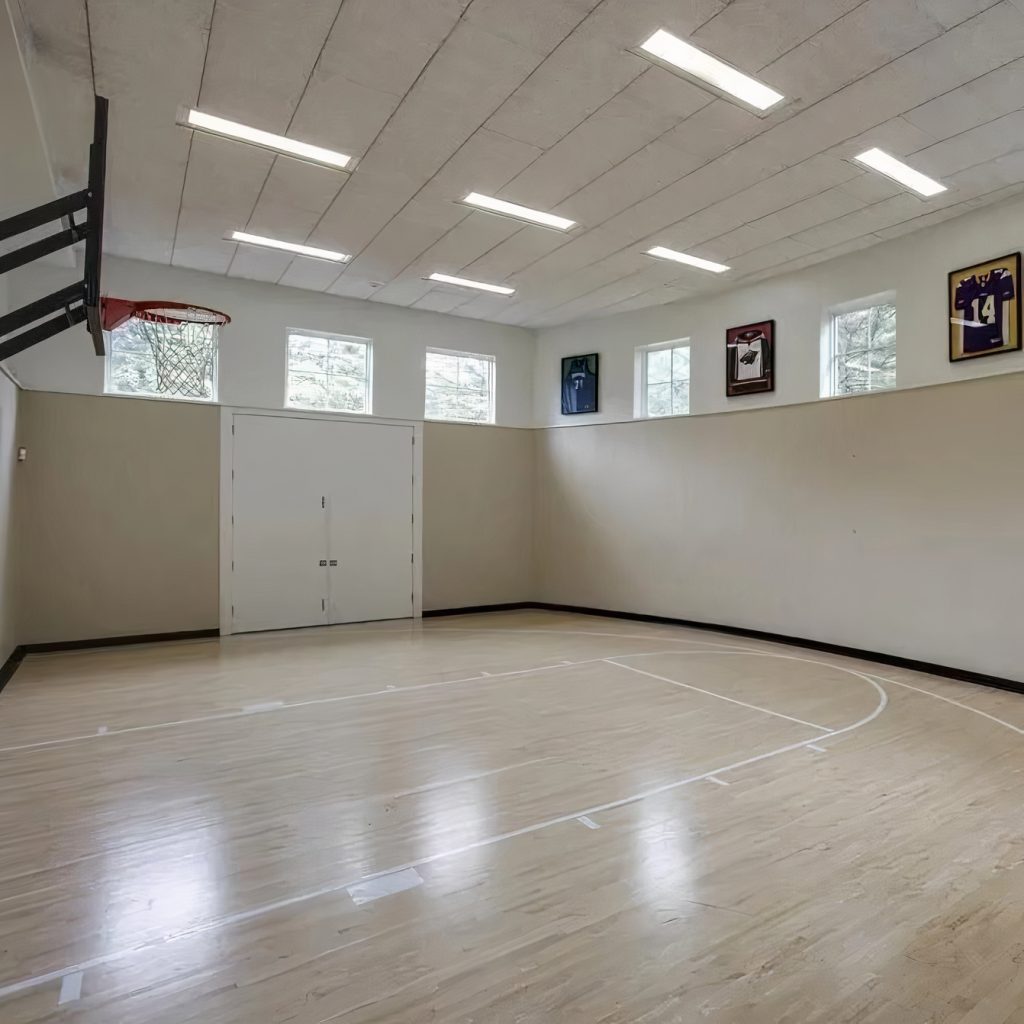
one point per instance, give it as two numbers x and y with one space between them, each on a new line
74 303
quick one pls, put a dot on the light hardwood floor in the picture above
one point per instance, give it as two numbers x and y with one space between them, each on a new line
781 836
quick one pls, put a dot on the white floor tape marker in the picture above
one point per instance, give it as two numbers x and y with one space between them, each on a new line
254 709
816 748
718 782
70 988
589 822
386 885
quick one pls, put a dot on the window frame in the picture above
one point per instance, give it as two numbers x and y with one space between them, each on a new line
827 388
156 396
330 336
640 397
491 360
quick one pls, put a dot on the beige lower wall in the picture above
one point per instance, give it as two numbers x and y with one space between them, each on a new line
888 522
8 468
477 515
117 517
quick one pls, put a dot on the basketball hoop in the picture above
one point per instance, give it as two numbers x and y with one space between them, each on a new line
175 342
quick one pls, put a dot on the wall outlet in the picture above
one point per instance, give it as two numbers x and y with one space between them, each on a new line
22 454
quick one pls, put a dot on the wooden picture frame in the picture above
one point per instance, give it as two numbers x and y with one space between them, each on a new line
750 359
984 309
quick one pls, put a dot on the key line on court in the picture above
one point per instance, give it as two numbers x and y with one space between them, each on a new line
710 693
336 888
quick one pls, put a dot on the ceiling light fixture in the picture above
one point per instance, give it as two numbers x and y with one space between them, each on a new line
462 282
294 247
661 253
265 140
492 205
880 161
720 76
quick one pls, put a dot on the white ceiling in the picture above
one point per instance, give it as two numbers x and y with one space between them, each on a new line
539 102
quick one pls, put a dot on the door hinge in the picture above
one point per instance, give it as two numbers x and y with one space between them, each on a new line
323 502
412 558
232 611
232 429
323 604
232 520
232 474
232 565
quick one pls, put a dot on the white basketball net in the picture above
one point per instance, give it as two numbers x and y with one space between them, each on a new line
184 355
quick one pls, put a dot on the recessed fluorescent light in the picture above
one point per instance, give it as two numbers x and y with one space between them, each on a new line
266 140
681 257
899 171
672 50
479 285
300 250
549 220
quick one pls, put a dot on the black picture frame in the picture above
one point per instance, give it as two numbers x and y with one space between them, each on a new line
750 359
970 293
580 384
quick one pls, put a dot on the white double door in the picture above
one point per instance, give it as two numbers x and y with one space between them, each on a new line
322 526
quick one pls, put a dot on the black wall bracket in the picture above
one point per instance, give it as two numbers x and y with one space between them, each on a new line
77 302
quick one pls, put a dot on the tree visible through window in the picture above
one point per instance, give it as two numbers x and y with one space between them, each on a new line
328 371
666 380
163 360
863 350
459 386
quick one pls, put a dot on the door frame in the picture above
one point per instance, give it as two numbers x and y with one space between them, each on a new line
227 465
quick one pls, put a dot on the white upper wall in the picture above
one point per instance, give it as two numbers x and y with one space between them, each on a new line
913 267
253 346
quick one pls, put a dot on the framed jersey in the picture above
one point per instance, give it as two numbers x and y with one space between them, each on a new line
579 384
750 359
984 309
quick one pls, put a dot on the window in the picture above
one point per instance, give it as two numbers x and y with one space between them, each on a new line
163 360
460 386
862 350
329 371
663 373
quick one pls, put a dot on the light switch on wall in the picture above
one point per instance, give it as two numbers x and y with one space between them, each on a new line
22 454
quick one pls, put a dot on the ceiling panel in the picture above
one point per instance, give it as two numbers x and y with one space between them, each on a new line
542 102
249 76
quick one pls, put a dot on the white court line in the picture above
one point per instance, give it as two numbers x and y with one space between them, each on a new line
291 901
70 988
949 700
222 715
718 782
255 709
583 819
709 693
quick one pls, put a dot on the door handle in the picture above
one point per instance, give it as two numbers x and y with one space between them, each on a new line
334 561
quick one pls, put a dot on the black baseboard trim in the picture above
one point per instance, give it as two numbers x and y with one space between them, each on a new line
894 660
10 666
513 606
119 641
